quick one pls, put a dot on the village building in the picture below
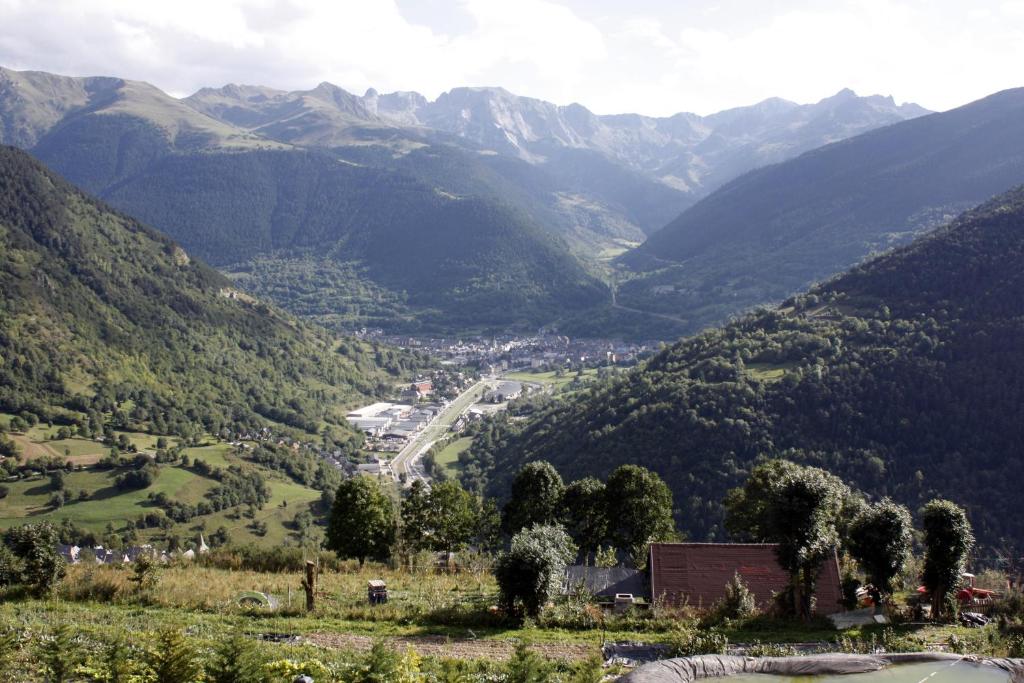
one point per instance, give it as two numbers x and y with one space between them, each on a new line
505 391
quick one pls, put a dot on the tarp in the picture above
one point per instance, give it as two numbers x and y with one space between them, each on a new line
684 670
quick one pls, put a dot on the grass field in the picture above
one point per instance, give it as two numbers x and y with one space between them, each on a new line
550 378
29 499
765 372
448 458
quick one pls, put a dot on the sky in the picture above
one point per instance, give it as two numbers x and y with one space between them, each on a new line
654 57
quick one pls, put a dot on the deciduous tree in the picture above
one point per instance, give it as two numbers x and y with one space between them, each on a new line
362 523
530 572
535 498
639 508
880 539
948 539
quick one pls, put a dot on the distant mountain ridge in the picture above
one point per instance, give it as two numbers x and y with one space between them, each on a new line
778 229
685 151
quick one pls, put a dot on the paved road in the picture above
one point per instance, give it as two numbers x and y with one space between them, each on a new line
408 459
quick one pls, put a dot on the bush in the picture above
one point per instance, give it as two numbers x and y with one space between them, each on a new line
688 641
236 660
739 602
531 571
40 567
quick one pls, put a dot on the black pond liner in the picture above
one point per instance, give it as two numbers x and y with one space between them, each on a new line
686 669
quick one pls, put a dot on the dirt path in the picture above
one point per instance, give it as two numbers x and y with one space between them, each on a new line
440 646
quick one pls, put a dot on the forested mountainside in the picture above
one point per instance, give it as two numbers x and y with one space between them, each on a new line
102 314
777 230
904 377
454 261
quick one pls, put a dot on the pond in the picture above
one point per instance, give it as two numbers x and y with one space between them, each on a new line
922 672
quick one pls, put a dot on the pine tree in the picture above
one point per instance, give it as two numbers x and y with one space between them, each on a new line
172 659
236 660
58 655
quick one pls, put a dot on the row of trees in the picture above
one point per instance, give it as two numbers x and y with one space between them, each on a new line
810 513
365 523
630 510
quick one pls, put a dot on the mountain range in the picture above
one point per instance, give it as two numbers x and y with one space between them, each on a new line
903 376
480 210
779 229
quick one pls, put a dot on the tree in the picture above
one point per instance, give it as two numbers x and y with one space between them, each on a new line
487 534
586 514
362 523
880 539
535 498
801 514
59 654
35 545
236 660
639 506
453 516
746 514
415 510
172 659
526 666
530 572
947 541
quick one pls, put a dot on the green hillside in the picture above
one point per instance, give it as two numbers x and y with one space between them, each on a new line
904 377
102 316
777 230
455 261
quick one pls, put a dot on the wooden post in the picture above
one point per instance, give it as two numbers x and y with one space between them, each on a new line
309 585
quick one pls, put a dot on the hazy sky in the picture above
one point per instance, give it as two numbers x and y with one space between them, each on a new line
648 56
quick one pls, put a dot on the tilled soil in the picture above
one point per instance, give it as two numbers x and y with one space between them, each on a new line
440 646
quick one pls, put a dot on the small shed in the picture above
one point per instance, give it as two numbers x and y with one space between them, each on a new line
697 573
604 582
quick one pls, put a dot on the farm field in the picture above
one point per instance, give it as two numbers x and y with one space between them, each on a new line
551 377
439 616
94 502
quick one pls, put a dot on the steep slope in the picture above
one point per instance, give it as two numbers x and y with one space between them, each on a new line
774 231
670 162
457 262
100 313
904 376
690 153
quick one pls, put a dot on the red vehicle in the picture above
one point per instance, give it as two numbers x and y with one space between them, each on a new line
968 593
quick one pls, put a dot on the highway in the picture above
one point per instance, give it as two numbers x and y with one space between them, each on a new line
408 459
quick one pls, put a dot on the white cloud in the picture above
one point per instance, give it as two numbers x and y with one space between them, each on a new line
700 56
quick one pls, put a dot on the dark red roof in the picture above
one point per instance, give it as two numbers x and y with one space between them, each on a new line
696 574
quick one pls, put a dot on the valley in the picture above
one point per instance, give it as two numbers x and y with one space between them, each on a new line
500 380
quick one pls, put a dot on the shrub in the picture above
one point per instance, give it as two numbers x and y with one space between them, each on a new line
236 660
531 571
759 649
739 602
41 567
688 641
